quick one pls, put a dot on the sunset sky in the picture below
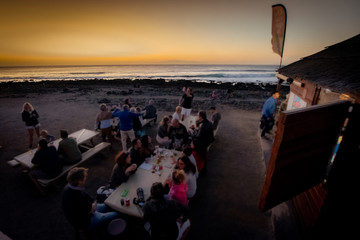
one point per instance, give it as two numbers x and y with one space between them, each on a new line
67 32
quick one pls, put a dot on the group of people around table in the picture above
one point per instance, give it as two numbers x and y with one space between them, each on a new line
173 134
168 200
47 160
129 125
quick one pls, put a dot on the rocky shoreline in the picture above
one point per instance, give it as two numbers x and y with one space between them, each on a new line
246 96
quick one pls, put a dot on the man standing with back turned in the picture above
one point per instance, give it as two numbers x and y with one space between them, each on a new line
268 110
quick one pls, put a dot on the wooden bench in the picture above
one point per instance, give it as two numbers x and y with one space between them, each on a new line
85 156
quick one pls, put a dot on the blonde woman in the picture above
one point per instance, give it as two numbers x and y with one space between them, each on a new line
177 113
30 117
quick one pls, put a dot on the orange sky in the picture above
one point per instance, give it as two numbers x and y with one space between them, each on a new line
142 31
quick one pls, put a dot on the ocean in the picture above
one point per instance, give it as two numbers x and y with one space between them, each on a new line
200 73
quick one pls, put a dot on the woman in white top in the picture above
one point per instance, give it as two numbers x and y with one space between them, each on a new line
177 113
185 164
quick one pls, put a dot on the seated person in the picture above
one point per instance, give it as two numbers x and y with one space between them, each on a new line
122 169
184 163
163 215
150 111
162 136
46 162
188 153
177 113
178 135
147 148
135 153
178 187
79 208
68 149
215 117
137 125
45 135
199 156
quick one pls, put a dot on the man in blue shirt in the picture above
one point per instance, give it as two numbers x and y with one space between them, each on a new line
126 124
268 110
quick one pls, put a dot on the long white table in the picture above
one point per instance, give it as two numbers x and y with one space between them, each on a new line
144 177
80 136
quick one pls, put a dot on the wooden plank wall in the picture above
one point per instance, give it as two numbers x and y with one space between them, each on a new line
307 207
303 145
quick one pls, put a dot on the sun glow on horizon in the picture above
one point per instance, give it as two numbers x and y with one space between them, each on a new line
150 32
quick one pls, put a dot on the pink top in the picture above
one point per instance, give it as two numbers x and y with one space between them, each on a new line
178 193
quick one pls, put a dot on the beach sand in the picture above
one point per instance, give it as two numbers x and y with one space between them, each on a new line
227 197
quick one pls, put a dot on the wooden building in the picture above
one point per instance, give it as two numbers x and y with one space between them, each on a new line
316 151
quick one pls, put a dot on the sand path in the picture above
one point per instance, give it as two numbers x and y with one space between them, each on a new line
226 204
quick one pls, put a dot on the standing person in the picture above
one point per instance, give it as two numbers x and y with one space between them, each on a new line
186 102
104 121
150 111
46 162
162 136
268 110
122 169
126 124
163 214
68 149
127 102
79 208
30 117
215 117
204 135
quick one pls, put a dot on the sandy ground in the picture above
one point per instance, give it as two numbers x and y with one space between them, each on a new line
226 203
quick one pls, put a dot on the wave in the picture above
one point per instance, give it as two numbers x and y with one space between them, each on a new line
235 70
219 75
87 73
